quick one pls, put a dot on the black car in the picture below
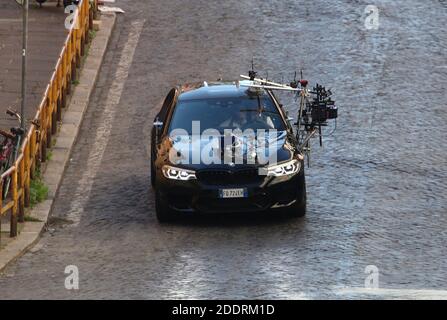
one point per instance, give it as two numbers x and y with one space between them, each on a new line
192 172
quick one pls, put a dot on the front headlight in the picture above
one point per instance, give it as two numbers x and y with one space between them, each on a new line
284 169
178 173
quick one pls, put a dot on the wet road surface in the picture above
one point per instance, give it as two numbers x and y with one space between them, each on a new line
376 191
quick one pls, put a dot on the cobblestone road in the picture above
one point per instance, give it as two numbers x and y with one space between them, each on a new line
376 191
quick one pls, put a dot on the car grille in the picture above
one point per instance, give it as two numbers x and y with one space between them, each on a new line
251 204
229 177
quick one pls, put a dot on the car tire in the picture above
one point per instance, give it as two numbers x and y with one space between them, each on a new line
163 212
298 209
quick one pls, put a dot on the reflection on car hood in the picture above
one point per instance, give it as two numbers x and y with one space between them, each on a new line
197 151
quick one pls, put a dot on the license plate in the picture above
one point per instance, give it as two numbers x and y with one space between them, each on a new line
233 193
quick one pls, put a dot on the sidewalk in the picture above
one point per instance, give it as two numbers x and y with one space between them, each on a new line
46 36
45 39
40 70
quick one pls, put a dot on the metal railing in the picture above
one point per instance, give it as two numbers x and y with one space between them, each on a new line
37 140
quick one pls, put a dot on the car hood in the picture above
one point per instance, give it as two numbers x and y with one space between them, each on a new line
215 151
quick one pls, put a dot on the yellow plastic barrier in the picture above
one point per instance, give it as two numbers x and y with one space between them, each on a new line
38 139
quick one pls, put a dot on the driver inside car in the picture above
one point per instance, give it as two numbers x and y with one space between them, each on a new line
248 119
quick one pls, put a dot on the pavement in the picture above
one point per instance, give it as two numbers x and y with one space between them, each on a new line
54 168
376 191
45 39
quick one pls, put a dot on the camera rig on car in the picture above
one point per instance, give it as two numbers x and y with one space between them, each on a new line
315 108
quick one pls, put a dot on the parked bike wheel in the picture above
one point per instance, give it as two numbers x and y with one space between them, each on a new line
17 132
3 159
7 182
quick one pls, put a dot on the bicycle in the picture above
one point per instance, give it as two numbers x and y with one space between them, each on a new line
6 148
10 147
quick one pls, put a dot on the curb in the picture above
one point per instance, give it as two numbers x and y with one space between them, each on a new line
66 138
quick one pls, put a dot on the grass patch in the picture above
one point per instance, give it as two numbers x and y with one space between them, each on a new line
31 219
38 190
49 155
75 82
92 34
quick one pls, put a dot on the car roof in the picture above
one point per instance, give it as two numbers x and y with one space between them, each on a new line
219 89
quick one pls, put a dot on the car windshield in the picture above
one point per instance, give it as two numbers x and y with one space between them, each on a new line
243 113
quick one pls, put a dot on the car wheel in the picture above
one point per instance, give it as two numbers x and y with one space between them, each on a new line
162 210
299 208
